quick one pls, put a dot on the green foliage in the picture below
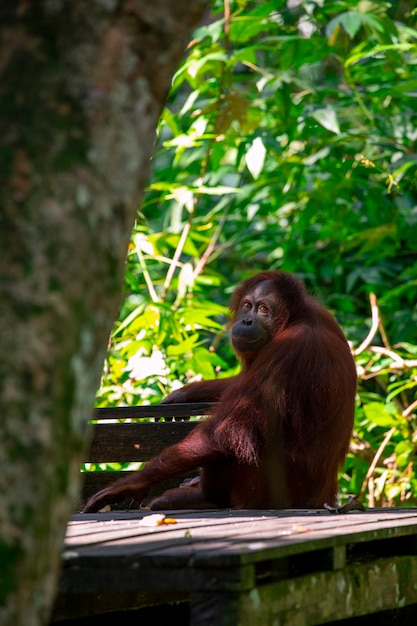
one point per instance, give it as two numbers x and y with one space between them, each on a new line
288 141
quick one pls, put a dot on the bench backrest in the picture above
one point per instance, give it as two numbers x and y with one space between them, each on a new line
136 434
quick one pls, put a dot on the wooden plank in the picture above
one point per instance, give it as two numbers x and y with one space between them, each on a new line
92 482
230 537
73 606
178 410
130 442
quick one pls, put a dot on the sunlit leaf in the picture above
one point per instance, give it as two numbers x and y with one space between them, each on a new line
141 366
255 157
326 116
365 54
183 347
216 191
194 66
381 414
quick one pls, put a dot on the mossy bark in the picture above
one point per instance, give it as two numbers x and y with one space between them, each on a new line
82 86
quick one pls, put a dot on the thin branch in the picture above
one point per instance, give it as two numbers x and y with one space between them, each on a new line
371 492
175 259
261 71
410 363
376 458
400 362
374 326
210 248
167 260
226 23
146 275
383 334
410 409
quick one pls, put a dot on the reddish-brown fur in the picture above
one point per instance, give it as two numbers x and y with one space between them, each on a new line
281 428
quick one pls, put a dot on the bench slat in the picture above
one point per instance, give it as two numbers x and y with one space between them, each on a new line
179 410
95 481
124 443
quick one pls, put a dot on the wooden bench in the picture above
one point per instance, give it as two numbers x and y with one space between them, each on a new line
125 435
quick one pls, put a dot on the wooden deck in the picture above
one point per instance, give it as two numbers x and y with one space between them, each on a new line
242 568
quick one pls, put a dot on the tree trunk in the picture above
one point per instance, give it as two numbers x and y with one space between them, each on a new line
82 87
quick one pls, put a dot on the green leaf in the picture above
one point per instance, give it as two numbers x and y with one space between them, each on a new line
194 66
255 157
381 414
326 116
370 239
360 56
352 22
185 346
